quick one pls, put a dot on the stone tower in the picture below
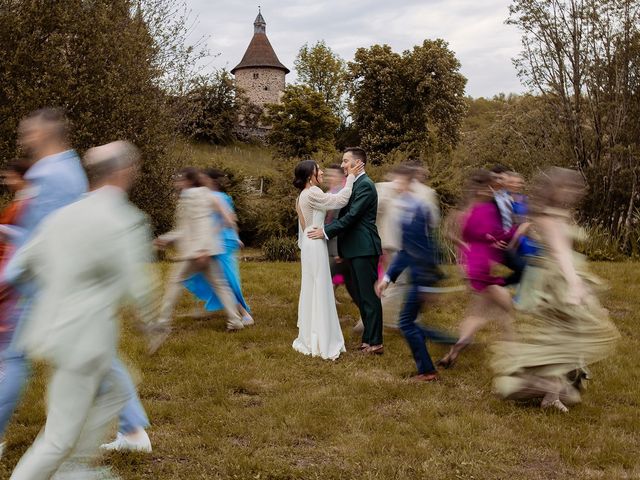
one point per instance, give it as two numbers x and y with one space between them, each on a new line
260 74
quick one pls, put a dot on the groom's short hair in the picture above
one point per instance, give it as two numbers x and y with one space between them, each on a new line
358 153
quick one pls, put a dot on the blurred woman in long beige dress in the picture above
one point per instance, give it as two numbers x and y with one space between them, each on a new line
563 327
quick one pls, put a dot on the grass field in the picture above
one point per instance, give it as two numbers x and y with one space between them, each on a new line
246 406
243 159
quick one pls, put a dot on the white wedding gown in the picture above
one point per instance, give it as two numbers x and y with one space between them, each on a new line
318 323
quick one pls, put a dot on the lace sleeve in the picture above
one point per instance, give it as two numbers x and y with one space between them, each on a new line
320 200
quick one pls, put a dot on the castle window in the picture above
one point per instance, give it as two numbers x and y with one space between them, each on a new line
255 76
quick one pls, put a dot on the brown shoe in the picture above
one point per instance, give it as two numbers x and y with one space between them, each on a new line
363 347
374 350
425 377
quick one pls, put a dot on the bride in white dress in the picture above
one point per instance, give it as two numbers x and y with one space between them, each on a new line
318 324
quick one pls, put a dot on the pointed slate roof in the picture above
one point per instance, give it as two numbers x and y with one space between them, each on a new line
260 52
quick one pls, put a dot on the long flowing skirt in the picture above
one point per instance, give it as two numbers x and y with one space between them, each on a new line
555 337
318 323
199 286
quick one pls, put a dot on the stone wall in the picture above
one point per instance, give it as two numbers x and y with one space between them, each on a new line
261 85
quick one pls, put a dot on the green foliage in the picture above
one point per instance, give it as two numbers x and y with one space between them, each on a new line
583 57
302 124
324 71
280 249
101 62
209 111
250 161
518 131
275 210
599 245
407 101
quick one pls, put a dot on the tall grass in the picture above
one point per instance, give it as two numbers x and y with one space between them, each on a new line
253 160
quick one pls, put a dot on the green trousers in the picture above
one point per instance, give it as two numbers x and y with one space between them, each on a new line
364 273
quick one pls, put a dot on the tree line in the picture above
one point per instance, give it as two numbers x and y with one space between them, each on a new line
124 69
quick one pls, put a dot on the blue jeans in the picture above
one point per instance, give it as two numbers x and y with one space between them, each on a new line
132 417
417 335
15 373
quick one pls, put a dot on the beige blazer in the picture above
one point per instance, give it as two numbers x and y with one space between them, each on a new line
430 198
86 260
388 220
195 230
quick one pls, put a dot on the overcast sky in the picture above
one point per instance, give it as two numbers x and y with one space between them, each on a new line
475 31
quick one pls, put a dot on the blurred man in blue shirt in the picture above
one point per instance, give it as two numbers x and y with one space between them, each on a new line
57 179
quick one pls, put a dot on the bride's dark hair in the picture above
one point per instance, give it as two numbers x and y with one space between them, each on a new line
303 172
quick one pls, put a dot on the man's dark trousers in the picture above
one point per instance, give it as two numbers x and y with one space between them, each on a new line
364 273
412 332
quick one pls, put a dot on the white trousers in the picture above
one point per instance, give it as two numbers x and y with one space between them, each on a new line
214 275
80 408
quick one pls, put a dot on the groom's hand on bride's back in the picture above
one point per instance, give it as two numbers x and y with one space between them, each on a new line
316 233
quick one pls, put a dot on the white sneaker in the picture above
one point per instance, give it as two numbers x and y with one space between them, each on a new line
234 325
123 443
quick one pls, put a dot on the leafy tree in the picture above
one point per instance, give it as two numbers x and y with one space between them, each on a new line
407 101
518 131
377 77
324 71
583 57
102 63
209 112
302 124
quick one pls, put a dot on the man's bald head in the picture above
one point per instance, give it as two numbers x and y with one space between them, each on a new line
107 163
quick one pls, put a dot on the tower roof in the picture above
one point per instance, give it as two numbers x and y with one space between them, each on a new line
260 52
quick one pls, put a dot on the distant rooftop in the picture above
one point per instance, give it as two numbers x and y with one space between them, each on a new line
260 53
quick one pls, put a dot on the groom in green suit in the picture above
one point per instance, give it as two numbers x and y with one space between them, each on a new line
359 244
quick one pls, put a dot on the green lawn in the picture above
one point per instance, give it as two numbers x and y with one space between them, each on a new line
246 406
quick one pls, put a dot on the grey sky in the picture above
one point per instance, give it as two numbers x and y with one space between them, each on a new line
475 30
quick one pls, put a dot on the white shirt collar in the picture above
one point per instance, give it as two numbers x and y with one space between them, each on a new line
360 174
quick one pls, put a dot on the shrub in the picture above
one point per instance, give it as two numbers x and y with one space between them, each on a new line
103 63
302 123
209 111
598 244
280 249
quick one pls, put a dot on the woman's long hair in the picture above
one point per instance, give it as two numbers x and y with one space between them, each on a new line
303 172
191 175
548 189
218 177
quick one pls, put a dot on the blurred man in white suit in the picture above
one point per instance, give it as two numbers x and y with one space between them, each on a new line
87 259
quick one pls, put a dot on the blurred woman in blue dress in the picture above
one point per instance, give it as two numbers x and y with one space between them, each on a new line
215 180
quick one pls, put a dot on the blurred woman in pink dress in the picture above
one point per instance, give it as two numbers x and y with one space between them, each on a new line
482 243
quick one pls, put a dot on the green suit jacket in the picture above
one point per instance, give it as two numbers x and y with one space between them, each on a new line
356 225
